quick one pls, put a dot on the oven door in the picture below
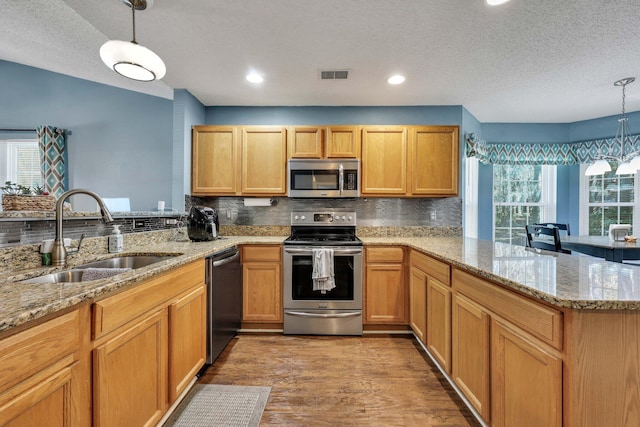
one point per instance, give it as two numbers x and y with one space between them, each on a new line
298 284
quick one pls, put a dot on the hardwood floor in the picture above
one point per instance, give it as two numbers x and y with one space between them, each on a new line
346 381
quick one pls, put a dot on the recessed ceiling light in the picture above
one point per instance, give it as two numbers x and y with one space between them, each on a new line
496 2
395 79
255 78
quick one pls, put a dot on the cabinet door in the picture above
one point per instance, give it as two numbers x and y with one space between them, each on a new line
434 160
439 322
214 161
343 142
264 160
262 292
418 303
130 374
384 160
470 357
43 400
187 339
305 142
386 297
526 381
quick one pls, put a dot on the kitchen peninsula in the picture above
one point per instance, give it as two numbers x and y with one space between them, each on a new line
555 332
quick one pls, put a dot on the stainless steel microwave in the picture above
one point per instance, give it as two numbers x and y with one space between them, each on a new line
324 178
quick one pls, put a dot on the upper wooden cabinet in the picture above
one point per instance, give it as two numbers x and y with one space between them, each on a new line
264 160
318 142
214 165
235 161
433 160
384 160
410 161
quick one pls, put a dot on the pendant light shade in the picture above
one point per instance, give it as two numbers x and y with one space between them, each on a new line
132 60
129 59
627 163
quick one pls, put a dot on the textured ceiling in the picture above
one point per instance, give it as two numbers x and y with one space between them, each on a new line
526 61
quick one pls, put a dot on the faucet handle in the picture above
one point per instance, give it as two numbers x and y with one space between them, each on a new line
75 251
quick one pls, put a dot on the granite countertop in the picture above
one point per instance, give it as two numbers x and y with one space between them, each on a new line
567 281
570 281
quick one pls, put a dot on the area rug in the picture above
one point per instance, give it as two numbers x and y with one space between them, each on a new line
208 405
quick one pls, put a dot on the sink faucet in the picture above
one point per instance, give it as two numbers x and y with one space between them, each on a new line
59 253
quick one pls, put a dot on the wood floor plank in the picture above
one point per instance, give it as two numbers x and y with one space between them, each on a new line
347 381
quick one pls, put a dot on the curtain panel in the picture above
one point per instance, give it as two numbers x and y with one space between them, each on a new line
545 154
52 145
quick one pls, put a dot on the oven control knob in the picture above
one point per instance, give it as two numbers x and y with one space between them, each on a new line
350 218
296 217
303 217
344 218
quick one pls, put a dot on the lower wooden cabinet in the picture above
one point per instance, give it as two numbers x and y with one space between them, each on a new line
41 380
418 303
262 284
187 339
438 337
149 345
526 380
130 374
471 344
385 292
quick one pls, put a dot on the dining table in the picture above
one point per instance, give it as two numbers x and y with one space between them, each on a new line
602 247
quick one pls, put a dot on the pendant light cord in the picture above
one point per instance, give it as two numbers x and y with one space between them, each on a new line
133 15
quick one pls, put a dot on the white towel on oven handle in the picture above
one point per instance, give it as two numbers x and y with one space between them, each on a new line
322 275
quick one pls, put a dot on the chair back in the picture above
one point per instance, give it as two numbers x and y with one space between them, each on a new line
559 226
543 237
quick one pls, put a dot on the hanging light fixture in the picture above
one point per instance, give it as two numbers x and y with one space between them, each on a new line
129 58
627 164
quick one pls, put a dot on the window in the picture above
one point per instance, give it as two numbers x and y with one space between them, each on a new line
21 160
522 195
607 199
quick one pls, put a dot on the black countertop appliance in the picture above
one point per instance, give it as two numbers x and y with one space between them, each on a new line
202 224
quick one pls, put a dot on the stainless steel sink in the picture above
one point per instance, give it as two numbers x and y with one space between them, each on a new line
129 261
118 262
59 277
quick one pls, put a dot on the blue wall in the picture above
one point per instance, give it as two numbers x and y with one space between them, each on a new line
409 115
120 143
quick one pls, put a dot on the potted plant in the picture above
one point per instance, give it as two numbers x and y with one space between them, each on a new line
17 197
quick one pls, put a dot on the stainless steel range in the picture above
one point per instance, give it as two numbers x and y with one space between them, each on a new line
323 244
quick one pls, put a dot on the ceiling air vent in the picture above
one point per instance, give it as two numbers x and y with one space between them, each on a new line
334 74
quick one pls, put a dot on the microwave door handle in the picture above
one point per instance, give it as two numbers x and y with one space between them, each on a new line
341 169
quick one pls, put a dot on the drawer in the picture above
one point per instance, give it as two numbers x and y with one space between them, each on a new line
119 309
535 318
385 254
28 352
434 268
261 253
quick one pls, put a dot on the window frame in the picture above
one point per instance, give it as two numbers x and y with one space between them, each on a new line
548 198
584 203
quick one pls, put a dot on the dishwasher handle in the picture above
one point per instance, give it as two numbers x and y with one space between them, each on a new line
226 260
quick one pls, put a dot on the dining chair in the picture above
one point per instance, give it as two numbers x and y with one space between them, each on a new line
559 226
544 237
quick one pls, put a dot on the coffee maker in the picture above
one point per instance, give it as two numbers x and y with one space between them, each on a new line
202 224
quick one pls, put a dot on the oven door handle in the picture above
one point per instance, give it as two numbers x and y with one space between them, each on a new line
302 251
324 315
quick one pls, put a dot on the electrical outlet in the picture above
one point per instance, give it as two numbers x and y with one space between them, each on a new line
228 213
170 221
138 223
433 215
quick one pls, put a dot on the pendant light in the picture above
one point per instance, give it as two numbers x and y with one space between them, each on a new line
130 59
627 164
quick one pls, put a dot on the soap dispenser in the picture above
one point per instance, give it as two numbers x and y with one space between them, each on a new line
115 240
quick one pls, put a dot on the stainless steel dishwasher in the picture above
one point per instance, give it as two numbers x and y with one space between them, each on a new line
224 300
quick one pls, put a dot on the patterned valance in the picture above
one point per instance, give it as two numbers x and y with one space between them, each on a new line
545 154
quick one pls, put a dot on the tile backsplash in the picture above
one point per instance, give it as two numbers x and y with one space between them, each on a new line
443 212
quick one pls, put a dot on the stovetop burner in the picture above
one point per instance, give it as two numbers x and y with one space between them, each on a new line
323 229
